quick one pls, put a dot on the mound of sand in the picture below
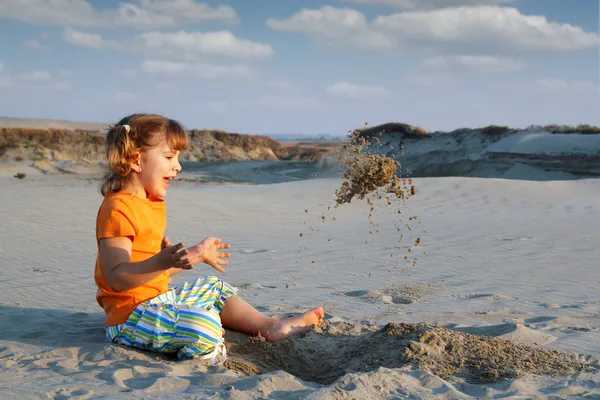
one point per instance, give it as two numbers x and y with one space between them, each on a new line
335 349
512 331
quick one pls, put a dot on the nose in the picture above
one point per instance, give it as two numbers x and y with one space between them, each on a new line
177 166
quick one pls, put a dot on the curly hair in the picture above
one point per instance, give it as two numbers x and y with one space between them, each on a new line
133 135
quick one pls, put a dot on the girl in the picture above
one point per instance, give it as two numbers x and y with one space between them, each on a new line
135 260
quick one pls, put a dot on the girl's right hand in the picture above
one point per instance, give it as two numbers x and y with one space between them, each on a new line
175 256
208 252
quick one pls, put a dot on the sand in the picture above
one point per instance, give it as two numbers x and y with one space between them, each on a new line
504 304
40 123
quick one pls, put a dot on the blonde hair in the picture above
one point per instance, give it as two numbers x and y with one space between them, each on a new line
133 135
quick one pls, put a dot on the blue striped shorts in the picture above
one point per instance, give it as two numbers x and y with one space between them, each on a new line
184 320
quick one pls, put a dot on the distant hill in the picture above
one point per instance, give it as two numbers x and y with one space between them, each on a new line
539 151
491 151
38 123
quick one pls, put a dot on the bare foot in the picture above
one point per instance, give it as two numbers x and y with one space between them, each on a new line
283 328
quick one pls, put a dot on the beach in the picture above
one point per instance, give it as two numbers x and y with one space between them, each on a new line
501 258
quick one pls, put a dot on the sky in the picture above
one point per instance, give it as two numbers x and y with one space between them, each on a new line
303 67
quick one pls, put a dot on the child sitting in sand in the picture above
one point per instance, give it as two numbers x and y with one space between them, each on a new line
136 260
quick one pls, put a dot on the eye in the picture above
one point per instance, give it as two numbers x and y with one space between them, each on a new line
169 157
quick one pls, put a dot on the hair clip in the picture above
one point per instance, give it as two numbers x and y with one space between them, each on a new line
127 128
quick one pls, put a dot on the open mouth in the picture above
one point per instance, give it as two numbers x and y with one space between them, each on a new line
167 179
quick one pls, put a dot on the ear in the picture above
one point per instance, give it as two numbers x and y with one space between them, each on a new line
136 163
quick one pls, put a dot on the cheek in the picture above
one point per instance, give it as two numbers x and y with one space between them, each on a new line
149 175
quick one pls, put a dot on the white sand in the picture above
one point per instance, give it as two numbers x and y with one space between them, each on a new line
513 259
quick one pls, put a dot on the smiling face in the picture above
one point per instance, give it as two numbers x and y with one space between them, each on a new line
155 168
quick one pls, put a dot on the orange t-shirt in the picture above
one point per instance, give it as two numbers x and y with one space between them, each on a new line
144 222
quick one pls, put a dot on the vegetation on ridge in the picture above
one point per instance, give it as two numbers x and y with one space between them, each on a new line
205 145
410 131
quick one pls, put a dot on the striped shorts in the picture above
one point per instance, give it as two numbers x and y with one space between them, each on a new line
184 320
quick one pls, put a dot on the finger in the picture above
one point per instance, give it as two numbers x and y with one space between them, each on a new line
219 269
167 241
184 264
181 253
224 246
223 262
182 261
224 254
177 247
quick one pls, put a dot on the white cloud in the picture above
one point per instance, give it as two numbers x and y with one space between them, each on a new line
35 44
177 45
191 10
40 78
326 23
150 14
86 39
200 71
215 44
474 63
441 71
429 4
332 25
484 29
36 76
356 91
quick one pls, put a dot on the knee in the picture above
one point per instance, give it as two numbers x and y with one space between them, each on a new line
203 280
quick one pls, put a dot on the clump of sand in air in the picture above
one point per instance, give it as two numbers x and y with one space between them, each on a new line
367 173
371 175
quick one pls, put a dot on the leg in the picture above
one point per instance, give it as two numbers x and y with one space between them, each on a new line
198 333
242 317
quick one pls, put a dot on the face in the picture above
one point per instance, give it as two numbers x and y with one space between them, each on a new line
157 166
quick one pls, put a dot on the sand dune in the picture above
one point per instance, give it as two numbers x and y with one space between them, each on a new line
534 153
502 261
40 123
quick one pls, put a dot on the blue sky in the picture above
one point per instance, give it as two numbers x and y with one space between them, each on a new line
311 67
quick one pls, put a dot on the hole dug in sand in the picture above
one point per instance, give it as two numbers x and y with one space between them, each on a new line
335 349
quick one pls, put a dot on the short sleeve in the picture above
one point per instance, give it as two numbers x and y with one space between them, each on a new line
116 219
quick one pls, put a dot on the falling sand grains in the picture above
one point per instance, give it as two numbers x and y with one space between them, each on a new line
379 180
372 175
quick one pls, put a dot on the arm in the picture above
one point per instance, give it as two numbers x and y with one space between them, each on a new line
122 275
174 271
